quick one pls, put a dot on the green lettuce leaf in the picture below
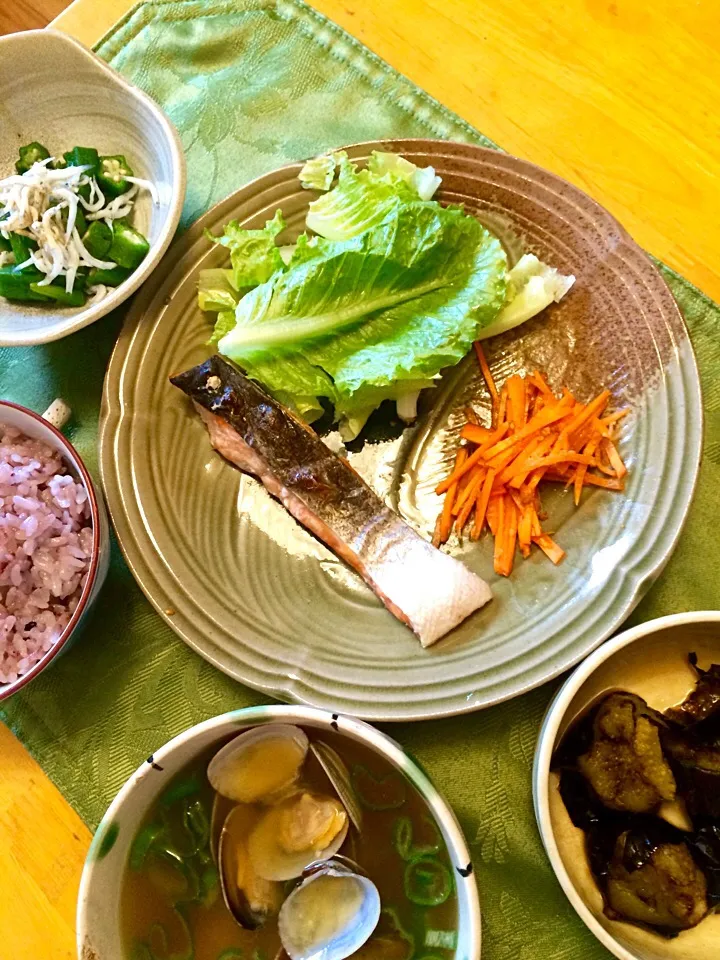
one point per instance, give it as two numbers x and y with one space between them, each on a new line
359 201
216 291
532 286
374 317
254 255
223 325
392 168
319 173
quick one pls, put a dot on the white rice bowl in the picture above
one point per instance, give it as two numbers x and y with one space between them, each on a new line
46 540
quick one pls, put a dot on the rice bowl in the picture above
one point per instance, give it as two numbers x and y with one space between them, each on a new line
53 544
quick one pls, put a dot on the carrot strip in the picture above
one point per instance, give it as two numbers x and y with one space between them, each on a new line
536 528
481 505
475 433
591 480
446 515
615 459
581 470
550 548
471 416
469 490
472 460
553 459
517 399
499 552
592 409
614 417
525 529
502 406
472 492
507 535
543 419
540 382
436 541
537 447
493 514
487 376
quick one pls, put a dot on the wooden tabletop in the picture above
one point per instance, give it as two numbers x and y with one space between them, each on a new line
619 96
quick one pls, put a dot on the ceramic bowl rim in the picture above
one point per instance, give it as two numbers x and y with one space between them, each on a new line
8 689
554 716
50 332
374 739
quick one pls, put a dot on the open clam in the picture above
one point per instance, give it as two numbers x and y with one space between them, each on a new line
250 898
299 830
339 776
330 915
259 765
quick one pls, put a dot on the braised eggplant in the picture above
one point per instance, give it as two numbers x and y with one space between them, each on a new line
696 762
617 749
617 764
653 879
703 702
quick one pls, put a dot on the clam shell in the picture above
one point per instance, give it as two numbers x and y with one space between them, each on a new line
260 764
330 915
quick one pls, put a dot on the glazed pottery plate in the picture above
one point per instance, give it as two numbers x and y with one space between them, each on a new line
259 597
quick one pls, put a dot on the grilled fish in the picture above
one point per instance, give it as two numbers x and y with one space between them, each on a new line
424 588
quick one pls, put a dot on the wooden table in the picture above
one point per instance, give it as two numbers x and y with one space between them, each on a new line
619 96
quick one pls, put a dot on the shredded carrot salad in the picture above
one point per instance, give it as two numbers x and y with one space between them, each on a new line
534 437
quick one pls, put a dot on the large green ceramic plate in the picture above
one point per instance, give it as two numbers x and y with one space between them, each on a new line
256 595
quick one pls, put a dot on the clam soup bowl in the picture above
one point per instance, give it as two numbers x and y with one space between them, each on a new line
98 914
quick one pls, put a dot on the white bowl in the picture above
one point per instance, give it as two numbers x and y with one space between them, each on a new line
649 660
98 916
56 91
36 427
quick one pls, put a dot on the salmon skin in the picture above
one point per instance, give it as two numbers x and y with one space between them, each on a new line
426 589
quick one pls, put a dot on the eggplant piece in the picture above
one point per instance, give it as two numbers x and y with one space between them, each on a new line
705 847
703 702
652 879
695 761
624 762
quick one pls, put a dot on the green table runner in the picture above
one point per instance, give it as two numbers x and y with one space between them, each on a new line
250 86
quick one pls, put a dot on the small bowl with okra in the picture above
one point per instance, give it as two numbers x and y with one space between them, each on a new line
92 182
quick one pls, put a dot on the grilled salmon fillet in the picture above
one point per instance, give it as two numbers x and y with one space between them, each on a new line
426 589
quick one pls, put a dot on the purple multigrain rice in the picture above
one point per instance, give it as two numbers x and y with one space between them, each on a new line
45 549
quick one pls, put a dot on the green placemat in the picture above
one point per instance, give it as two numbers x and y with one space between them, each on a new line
251 85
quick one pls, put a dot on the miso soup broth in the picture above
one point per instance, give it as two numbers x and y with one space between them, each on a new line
172 904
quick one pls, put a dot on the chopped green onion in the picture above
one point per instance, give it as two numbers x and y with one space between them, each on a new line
182 788
402 836
427 882
142 844
403 839
384 793
394 919
232 953
447 939
196 820
158 941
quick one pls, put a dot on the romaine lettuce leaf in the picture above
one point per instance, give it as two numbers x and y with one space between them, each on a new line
319 173
374 317
216 291
532 286
391 167
254 255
